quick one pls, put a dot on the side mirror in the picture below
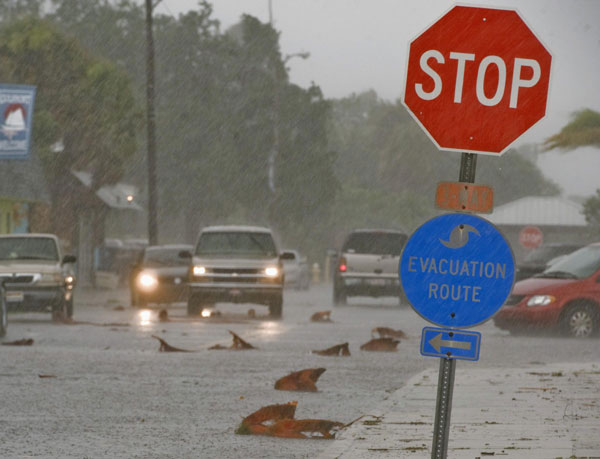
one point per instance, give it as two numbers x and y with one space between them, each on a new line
69 259
185 254
287 256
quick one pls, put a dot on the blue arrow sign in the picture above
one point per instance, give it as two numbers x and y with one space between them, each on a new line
457 270
451 344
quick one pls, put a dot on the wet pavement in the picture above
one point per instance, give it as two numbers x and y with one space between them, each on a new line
101 388
539 412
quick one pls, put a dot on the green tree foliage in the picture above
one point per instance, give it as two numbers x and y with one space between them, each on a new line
582 130
383 152
591 209
85 103
219 99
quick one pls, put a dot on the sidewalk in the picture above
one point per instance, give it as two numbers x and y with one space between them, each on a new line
539 412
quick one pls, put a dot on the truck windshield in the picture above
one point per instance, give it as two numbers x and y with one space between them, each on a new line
236 244
28 248
378 243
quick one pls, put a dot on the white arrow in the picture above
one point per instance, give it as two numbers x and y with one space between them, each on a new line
437 342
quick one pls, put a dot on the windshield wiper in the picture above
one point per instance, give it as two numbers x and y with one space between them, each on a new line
557 275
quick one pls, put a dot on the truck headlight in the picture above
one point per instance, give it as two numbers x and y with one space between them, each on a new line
147 281
69 282
198 270
271 271
540 300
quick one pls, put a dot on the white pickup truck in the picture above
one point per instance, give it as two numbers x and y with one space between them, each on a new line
35 274
368 265
238 264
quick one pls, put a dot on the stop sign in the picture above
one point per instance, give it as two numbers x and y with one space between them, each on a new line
477 79
531 237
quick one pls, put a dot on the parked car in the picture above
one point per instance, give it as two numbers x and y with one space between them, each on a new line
565 297
543 257
36 275
368 265
238 264
295 269
160 275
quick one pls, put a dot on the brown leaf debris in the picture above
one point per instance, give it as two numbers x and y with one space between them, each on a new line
20 342
303 380
322 316
238 344
386 332
381 345
278 421
166 347
340 349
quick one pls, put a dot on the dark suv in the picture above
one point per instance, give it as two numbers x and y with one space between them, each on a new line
368 265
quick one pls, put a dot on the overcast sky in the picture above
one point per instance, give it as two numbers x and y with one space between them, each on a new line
356 45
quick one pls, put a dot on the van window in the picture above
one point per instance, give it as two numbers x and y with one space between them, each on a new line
377 242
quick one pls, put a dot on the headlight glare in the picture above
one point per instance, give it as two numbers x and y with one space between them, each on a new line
540 300
147 281
272 271
199 270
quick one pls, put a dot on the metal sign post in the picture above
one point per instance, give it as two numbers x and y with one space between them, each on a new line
443 408
457 269
443 405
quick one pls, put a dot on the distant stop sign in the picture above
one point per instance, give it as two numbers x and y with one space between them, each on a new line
477 79
531 237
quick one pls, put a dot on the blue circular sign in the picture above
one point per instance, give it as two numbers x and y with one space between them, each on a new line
457 270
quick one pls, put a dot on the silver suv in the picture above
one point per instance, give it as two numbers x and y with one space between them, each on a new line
238 264
368 265
36 274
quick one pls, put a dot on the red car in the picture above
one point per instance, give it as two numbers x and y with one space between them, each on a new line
565 297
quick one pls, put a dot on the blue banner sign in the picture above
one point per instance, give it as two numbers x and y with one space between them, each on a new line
16 119
450 344
457 270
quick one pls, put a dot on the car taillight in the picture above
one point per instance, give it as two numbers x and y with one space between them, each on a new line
342 265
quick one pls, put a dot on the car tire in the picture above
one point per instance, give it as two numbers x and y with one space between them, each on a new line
276 306
3 318
69 307
340 297
133 299
580 321
59 311
194 305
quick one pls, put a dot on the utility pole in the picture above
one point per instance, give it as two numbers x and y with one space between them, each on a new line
150 128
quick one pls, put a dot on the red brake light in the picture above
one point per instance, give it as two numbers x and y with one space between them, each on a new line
342 265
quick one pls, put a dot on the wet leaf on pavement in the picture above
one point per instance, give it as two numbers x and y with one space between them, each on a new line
381 345
322 316
303 380
166 347
20 342
338 350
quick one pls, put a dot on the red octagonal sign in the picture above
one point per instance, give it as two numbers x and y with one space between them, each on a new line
477 79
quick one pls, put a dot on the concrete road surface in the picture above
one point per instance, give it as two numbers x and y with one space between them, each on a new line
100 388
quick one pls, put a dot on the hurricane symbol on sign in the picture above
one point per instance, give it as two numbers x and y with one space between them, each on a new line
459 236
